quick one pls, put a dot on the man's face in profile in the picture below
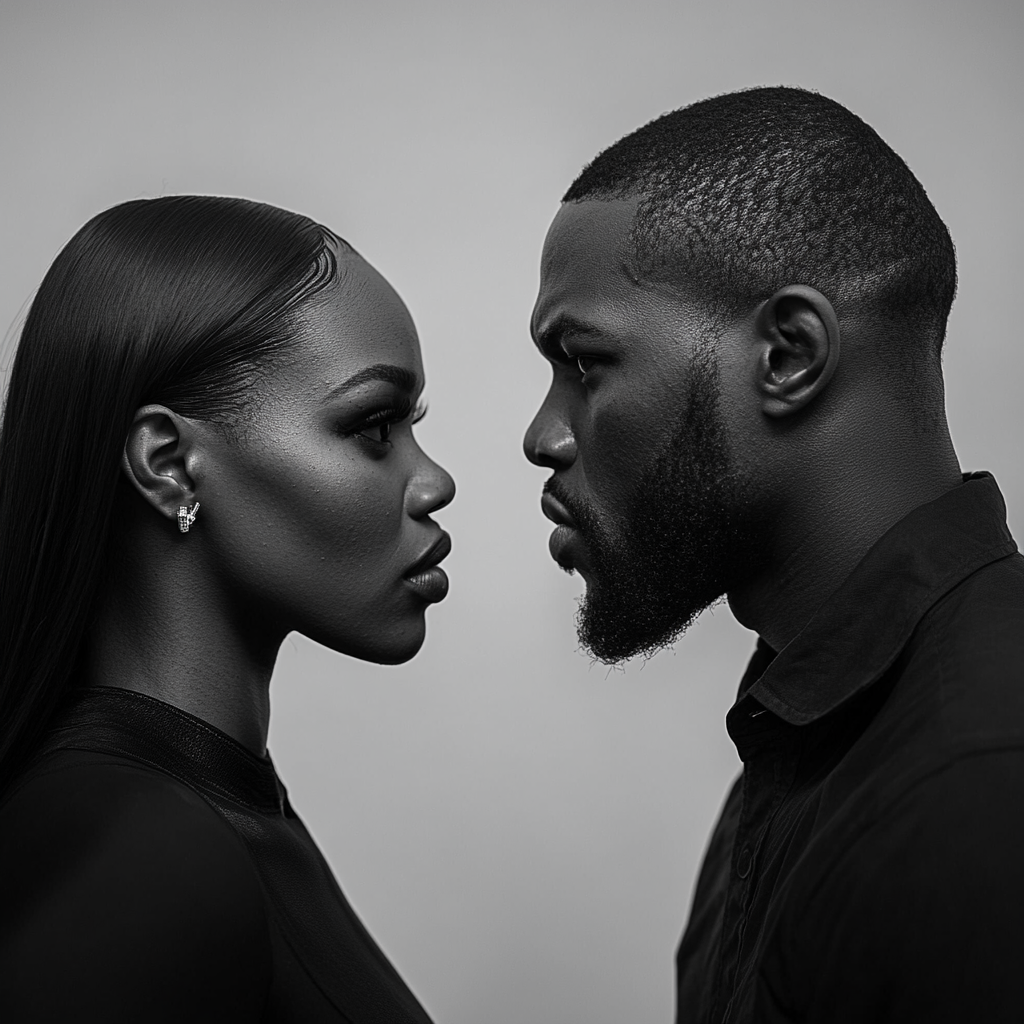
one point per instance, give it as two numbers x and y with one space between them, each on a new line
651 508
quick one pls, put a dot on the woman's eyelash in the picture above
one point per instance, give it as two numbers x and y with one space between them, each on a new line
402 410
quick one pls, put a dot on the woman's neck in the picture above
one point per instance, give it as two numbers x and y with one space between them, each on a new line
159 630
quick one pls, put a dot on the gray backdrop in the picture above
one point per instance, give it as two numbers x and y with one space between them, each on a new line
519 829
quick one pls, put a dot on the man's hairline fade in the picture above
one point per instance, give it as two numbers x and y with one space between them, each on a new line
640 167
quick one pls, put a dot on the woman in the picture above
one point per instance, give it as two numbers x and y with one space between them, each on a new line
207 444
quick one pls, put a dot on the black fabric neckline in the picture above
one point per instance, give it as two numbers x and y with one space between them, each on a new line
107 719
860 630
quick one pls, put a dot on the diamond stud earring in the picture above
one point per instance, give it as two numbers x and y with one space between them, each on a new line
187 516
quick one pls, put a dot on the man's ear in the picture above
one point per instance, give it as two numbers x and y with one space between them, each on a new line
156 458
799 333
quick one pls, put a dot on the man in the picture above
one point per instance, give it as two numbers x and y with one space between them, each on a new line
743 304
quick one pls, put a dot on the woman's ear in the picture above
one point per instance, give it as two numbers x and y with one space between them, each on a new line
156 458
799 336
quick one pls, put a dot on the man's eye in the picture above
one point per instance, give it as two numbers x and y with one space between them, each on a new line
585 363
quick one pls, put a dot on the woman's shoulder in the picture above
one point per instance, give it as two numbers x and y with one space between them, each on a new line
77 811
121 878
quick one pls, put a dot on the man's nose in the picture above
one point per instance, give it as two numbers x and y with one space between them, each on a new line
549 440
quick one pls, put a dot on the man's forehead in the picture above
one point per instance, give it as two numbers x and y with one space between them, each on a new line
585 264
589 280
591 232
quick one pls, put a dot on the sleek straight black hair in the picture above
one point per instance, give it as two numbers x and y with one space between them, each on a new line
181 301
744 193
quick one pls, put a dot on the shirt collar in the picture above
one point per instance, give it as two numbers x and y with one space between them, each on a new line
860 630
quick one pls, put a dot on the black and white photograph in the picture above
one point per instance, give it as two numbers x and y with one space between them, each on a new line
509 512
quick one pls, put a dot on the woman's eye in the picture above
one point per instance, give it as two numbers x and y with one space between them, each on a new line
379 432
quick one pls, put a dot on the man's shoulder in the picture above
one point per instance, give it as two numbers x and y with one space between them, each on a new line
910 875
968 656
915 916
989 602
948 709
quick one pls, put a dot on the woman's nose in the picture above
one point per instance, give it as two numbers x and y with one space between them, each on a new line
549 440
431 489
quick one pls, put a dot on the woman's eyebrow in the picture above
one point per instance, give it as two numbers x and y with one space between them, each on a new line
401 377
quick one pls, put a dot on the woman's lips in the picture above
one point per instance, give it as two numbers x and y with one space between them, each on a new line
431 584
426 577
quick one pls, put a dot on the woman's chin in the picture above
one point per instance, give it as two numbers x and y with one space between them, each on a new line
394 654
389 646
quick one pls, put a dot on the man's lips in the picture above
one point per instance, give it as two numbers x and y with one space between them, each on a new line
564 544
556 511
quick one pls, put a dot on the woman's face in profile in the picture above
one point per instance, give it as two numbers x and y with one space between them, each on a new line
318 504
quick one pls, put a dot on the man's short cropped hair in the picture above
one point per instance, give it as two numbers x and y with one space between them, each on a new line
745 193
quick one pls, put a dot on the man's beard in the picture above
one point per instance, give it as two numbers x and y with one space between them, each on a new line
689 533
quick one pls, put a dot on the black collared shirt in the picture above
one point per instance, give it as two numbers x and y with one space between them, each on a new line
868 865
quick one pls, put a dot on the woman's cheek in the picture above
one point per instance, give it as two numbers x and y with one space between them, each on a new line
365 516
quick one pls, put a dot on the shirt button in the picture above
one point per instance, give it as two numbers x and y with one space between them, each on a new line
743 862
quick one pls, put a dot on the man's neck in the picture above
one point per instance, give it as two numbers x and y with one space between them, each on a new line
822 541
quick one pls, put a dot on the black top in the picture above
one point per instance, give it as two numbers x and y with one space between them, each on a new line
868 865
153 870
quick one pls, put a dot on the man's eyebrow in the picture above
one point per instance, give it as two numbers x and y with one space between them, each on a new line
402 378
549 338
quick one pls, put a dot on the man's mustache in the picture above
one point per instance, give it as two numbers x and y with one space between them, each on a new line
577 509
584 517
